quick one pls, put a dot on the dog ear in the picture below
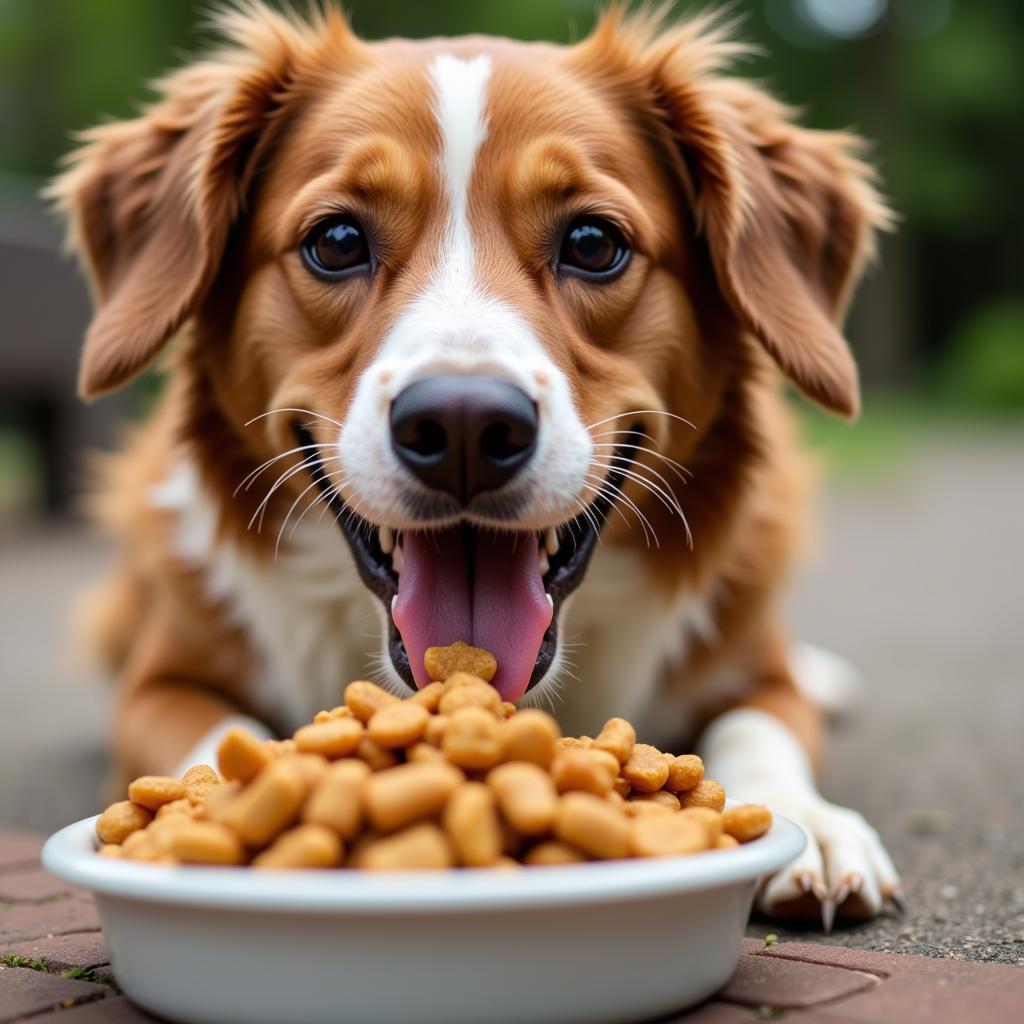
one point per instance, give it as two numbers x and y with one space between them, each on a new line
789 214
150 201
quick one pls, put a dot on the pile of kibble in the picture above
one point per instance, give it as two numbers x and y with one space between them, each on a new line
451 777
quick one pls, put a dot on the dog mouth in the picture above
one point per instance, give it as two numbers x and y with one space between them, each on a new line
500 589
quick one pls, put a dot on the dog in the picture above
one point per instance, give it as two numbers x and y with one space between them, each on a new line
474 340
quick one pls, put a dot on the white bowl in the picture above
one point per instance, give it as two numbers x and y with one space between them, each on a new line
591 943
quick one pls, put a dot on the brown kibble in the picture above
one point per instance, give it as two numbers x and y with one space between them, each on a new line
471 739
508 709
646 769
176 807
526 796
332 739
442 662
571 742
241 756
110 850
639 808
429 697
618 738
668 800
341 711
468 691
707 793
377 757
711 820
579 770
268 804
552 854
529 735
726 842
312 767
472 824
365 699
622 787
434 732
306 846
667 835
217 799
120 820
205 842
198 781
399 796
684 772
337 800
593 825
747 822
281 748
398 725
140 846
424 752
419 848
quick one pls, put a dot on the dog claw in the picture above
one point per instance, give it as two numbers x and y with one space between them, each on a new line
828 914
896 898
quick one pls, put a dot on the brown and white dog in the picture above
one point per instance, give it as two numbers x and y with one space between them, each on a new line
480 302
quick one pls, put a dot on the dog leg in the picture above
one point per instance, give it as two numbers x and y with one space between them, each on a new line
844 869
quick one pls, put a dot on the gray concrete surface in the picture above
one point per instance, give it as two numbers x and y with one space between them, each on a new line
918 581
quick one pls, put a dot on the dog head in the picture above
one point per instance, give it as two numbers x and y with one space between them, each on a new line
483 293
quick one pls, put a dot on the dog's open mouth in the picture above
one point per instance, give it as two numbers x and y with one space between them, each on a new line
496 589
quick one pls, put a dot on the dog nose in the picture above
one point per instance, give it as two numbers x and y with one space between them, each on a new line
463 434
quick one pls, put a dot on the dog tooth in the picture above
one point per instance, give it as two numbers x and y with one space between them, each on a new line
397 562
544 563
551 541
394 601
551 600
386 539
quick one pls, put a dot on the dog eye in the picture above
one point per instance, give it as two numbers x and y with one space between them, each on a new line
594 249
335 248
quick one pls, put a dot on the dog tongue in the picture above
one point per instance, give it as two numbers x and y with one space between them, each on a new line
494 599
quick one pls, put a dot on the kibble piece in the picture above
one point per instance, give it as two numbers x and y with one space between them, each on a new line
552 853
434 733
399 796
306 846
342 711
424 752
639 808
184 807
365 699
429 697
526 796
712 821
377 757
472 824
667 835
335 738
281 748
217 800
419 848
618 738
241 756
684 772
579 770
622 787
442 662
110 850
707 793
570 742
206 842
198 781
747 822
268 804
398 725
646 769
660 796
508 709
337 800
726 842
140 846
530 735
120 820
471 739
593 825
464 691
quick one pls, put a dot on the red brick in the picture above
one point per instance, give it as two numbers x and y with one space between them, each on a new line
24 992
62 952
34 884
110 1011
760 981
19 848
33 921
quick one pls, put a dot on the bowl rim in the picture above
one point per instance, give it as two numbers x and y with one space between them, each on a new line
70 854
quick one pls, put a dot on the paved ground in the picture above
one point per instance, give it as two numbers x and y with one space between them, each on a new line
918 582
54 967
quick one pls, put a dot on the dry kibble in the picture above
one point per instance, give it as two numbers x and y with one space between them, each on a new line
707 793
153 791
508 709
646 769
281 748
140 846
471 738
342 711
464 691
365 699
593 825
667 835
422 847
332 739
217 800
398 725
526 796
684 772
434 733
746 822
120 820
206 842
553 853
442 662
472 824
306 846
529 735
377 757
241 756
110 850
429 697
267 805
312 767
579 770
640 808
198 782
709 818
176 807
726 842
668 800
399 796
337 800
424 752
569 742
618 738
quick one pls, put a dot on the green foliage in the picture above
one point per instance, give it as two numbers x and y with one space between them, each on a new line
984 366
32 963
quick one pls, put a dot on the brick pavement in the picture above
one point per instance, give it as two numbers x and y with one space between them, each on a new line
55 970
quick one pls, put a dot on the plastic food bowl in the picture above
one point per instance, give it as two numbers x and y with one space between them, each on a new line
591 943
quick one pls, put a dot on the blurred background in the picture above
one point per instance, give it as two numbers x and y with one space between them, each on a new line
917 574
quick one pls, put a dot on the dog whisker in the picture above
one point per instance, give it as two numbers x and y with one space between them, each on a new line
684 474
642 412
250 478
616 494
284 409
308 463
